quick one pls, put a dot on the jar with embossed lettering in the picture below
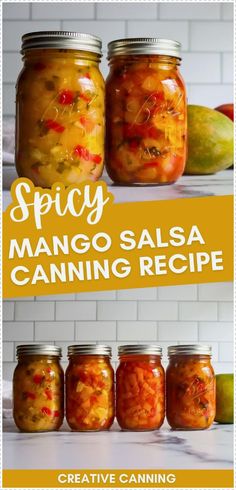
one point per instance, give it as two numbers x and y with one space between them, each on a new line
190 387
146 120
60 109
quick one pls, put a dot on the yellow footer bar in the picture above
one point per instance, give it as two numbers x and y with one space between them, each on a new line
118 478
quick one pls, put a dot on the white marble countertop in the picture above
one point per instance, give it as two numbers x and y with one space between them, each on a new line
115 449
187 186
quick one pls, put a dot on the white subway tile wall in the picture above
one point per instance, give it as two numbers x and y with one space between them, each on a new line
205 30
166 315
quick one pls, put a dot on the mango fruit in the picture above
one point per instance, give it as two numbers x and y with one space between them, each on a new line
224 398
210 141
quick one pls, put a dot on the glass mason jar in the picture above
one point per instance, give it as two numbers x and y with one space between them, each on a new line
190 385
60 109
89 388
140 388
38 388
146 118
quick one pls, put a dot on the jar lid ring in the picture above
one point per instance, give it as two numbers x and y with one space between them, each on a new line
139 349
89 349
144 46
38 350
61 40
189 349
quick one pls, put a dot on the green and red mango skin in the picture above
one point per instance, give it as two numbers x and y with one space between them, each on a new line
210 141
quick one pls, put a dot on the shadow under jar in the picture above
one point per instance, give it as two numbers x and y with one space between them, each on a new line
60 109
190 384
38 388
140 388
146 119
89 388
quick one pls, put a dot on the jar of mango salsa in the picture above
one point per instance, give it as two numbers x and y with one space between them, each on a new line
60 109
140 388
38 388
146 121
190 385
89 388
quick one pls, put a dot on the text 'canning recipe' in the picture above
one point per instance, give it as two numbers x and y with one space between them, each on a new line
77 239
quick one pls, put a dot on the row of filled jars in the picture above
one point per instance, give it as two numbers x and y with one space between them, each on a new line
60 110
143 395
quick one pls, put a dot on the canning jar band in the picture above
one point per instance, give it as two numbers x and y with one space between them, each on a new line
142 45
192 349
62 40
89 349
38 349
140 349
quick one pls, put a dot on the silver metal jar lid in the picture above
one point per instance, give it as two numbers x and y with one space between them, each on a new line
192 349
62 40
38 350
144 45
143 349
89 349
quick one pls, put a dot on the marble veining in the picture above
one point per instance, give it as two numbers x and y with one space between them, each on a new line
117 449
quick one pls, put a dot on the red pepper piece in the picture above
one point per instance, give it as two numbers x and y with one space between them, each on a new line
49 370
56 413
37 379
157 97
28 394
150 164
96 159
39 66
46 411
82 152
55 126
48 394
87 75
83 120
66 97
86 98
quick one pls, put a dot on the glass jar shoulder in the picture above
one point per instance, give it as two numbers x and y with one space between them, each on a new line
146 75
30 364
182 367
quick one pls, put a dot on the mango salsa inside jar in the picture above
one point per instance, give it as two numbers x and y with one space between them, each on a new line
38 388
89 388
146 122
60 109
140 388
190 387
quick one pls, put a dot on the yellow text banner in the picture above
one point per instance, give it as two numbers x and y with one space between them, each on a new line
118 479
77 239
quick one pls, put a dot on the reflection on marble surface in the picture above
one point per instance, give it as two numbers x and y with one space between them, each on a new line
187 186
116 449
